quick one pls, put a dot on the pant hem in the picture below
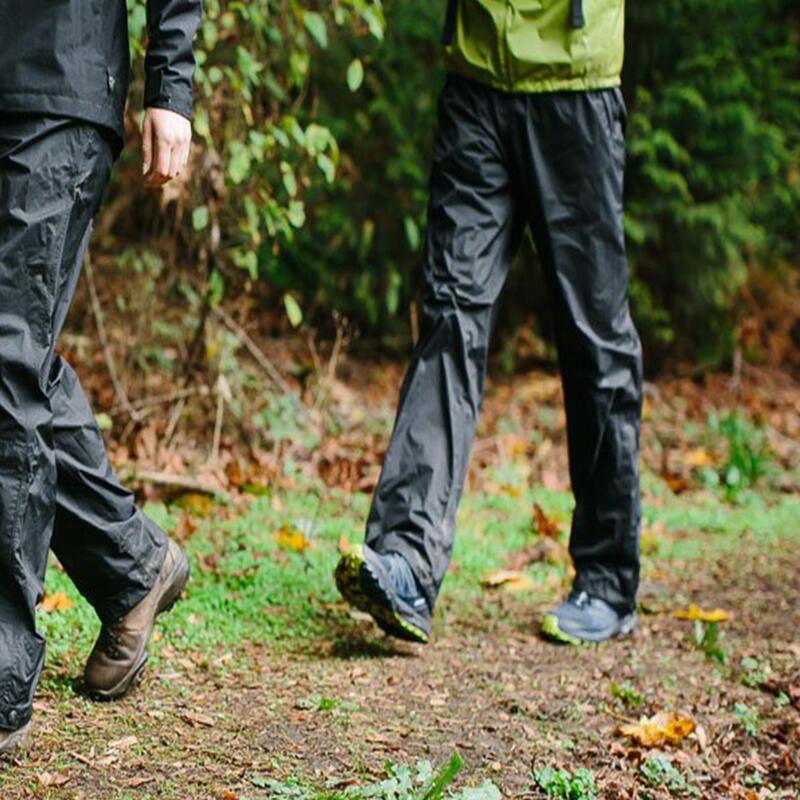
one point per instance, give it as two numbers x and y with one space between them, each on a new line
112 610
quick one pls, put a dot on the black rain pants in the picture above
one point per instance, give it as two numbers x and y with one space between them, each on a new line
57 488
555 163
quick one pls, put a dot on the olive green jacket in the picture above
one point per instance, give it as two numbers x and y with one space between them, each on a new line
536 45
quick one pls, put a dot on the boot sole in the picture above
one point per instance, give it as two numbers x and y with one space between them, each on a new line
171 595
552 630
17 743
348 577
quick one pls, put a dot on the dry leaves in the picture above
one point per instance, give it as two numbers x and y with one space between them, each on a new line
195 718
58 601
49 779
696 613
509 581
544 525
665 728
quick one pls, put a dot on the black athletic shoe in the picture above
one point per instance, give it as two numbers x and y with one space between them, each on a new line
583 619
385 588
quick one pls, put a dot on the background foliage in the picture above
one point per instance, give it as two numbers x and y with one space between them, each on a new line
315 123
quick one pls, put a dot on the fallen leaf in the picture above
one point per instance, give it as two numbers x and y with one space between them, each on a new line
134 783
544 549
58 601
664 728
695 613
195 718
201 505
698 458
508 580
123 744
291 539
544 525
53 778
344 545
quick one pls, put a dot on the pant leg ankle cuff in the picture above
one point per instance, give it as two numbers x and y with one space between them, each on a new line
14 718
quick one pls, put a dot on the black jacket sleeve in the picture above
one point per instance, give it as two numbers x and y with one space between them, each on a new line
169 64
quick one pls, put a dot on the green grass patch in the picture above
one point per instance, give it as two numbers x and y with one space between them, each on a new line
247 587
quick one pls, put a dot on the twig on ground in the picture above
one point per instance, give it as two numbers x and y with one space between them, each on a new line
254 350
174 419
218 428
180 482
170 397
97 311
223 391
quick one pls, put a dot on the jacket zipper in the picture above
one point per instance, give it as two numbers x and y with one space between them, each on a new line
505 61
450 21
577 19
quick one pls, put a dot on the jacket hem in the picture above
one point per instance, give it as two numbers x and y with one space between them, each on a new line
32 103
580 83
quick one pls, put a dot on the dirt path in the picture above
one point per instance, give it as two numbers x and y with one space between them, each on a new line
333 714
263 685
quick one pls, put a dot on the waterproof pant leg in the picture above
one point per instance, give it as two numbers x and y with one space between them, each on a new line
555 161
53 468
471 234
572 147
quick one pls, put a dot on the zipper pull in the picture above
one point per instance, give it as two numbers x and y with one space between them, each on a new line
576 16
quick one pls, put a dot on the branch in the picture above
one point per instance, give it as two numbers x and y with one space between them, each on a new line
97 311
180 482
254 350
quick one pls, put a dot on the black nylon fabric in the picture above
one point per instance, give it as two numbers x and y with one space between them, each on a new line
555 163
55 479
70 58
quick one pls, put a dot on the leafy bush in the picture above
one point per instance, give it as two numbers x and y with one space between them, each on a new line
564 785
316 132
748 455
263 150
401 783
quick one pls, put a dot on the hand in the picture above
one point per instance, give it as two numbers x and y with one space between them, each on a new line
166 139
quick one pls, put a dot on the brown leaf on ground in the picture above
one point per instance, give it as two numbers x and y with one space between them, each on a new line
50 779
195 718
544 549
544 525
58 601
696 613
508 580
665 728
124 743
135 783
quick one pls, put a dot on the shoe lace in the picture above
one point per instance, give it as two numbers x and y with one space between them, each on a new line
110 640
403 579
580 599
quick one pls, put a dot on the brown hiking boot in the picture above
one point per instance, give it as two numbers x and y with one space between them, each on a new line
120 653
13 743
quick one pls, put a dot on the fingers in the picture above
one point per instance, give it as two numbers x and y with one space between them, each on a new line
147 144
169 146
178 158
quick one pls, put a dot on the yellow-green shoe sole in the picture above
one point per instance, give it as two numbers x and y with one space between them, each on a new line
348 580
552 631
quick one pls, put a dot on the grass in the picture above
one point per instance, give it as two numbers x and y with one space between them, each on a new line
253 593
246 587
